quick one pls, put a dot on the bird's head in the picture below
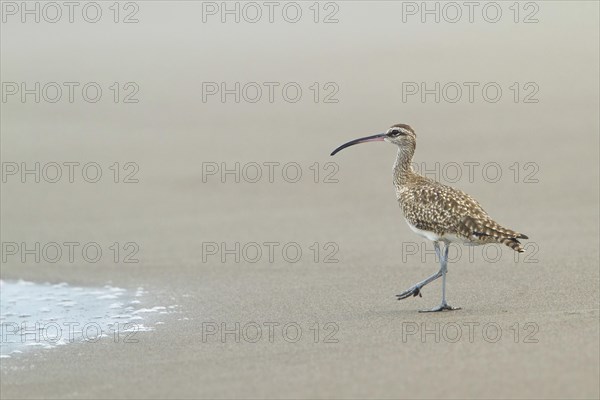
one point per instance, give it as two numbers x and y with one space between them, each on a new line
401 135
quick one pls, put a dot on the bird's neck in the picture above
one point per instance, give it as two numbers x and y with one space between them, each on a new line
403 171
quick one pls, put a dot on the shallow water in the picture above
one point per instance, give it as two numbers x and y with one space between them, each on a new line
43 316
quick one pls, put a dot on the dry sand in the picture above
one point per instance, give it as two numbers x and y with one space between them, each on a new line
551 299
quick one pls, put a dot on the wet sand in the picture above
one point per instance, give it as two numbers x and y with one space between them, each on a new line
527 329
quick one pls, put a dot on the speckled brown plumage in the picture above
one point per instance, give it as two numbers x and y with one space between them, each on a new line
435 211
440 209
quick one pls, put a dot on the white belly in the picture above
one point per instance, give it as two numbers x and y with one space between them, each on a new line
426 234
447 238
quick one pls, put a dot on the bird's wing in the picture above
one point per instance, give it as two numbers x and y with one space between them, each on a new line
442 209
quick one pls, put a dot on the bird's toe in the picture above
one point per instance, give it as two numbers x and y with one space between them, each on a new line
414 291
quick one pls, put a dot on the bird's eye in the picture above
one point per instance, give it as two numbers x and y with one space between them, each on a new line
395 132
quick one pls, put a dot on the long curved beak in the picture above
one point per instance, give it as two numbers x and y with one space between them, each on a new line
375 138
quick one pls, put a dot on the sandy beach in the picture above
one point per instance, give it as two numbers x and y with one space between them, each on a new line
281 263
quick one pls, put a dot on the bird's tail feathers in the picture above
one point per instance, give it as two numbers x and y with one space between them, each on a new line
501 235
512 243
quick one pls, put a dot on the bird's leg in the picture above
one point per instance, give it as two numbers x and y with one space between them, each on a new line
416 289
443 269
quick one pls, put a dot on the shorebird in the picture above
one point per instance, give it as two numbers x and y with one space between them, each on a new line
437 212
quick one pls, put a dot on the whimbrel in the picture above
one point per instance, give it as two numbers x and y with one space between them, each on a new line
437 212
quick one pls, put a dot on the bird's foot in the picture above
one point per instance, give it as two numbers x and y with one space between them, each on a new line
413 291
441 307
